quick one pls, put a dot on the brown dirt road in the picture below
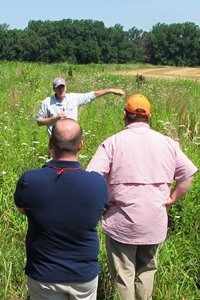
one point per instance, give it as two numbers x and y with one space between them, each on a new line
164 72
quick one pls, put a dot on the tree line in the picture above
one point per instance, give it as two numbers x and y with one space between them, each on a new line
88 41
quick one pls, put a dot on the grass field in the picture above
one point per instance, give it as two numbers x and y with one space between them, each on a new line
23 145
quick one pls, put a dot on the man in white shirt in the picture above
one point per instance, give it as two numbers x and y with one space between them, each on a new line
65 105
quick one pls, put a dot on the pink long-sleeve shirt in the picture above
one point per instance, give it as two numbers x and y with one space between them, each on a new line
140 165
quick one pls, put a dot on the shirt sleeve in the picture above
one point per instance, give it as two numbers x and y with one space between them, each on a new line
101 162
43 111
18 195
85 98
184 166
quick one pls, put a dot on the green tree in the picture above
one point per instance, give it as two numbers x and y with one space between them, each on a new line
137 37
3 39
88 41
175 44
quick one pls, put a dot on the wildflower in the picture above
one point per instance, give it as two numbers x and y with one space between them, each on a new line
86 133
167 123
42 157
82 156
196 139
36 142
32 148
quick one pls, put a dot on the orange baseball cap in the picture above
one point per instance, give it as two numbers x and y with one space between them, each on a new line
138 104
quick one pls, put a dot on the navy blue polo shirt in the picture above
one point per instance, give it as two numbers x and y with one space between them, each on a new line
63 204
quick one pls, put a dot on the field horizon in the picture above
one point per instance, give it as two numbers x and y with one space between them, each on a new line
162 72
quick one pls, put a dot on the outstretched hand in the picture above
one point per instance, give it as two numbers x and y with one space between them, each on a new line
100 93
118 92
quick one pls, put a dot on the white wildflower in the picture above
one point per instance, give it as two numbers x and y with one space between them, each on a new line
42 157
82 156
36 142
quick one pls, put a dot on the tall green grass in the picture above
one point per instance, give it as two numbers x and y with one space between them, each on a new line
23 145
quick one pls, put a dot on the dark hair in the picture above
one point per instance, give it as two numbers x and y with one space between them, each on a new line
69 141
131 118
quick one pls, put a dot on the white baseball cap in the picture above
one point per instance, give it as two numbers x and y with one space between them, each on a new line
58 81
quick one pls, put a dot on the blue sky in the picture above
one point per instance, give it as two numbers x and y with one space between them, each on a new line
142 14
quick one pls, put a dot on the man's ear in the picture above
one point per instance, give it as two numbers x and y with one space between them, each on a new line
124 114
50 144
80 145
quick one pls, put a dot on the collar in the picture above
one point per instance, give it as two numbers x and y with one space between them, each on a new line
138 125
59 164
56 101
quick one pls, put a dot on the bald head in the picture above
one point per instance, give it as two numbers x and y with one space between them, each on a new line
66 137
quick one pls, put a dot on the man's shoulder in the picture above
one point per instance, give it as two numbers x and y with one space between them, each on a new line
32 172
92 175
114 137
49 100
94 178
95 183
29 175
163 136
152 135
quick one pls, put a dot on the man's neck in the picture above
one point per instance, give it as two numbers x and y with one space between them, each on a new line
59 98
135 122
66 157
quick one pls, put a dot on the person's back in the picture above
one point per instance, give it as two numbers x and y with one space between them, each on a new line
137 148
63 204
140 166
142 169
63 211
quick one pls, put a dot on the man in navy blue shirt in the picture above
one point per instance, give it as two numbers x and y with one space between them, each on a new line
63 205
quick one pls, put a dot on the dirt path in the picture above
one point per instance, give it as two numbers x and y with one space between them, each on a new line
164 72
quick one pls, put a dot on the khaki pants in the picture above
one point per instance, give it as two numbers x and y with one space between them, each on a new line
62 291
132 268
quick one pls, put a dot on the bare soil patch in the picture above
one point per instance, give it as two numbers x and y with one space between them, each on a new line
164 72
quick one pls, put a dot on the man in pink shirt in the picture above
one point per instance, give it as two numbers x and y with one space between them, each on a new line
139 165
